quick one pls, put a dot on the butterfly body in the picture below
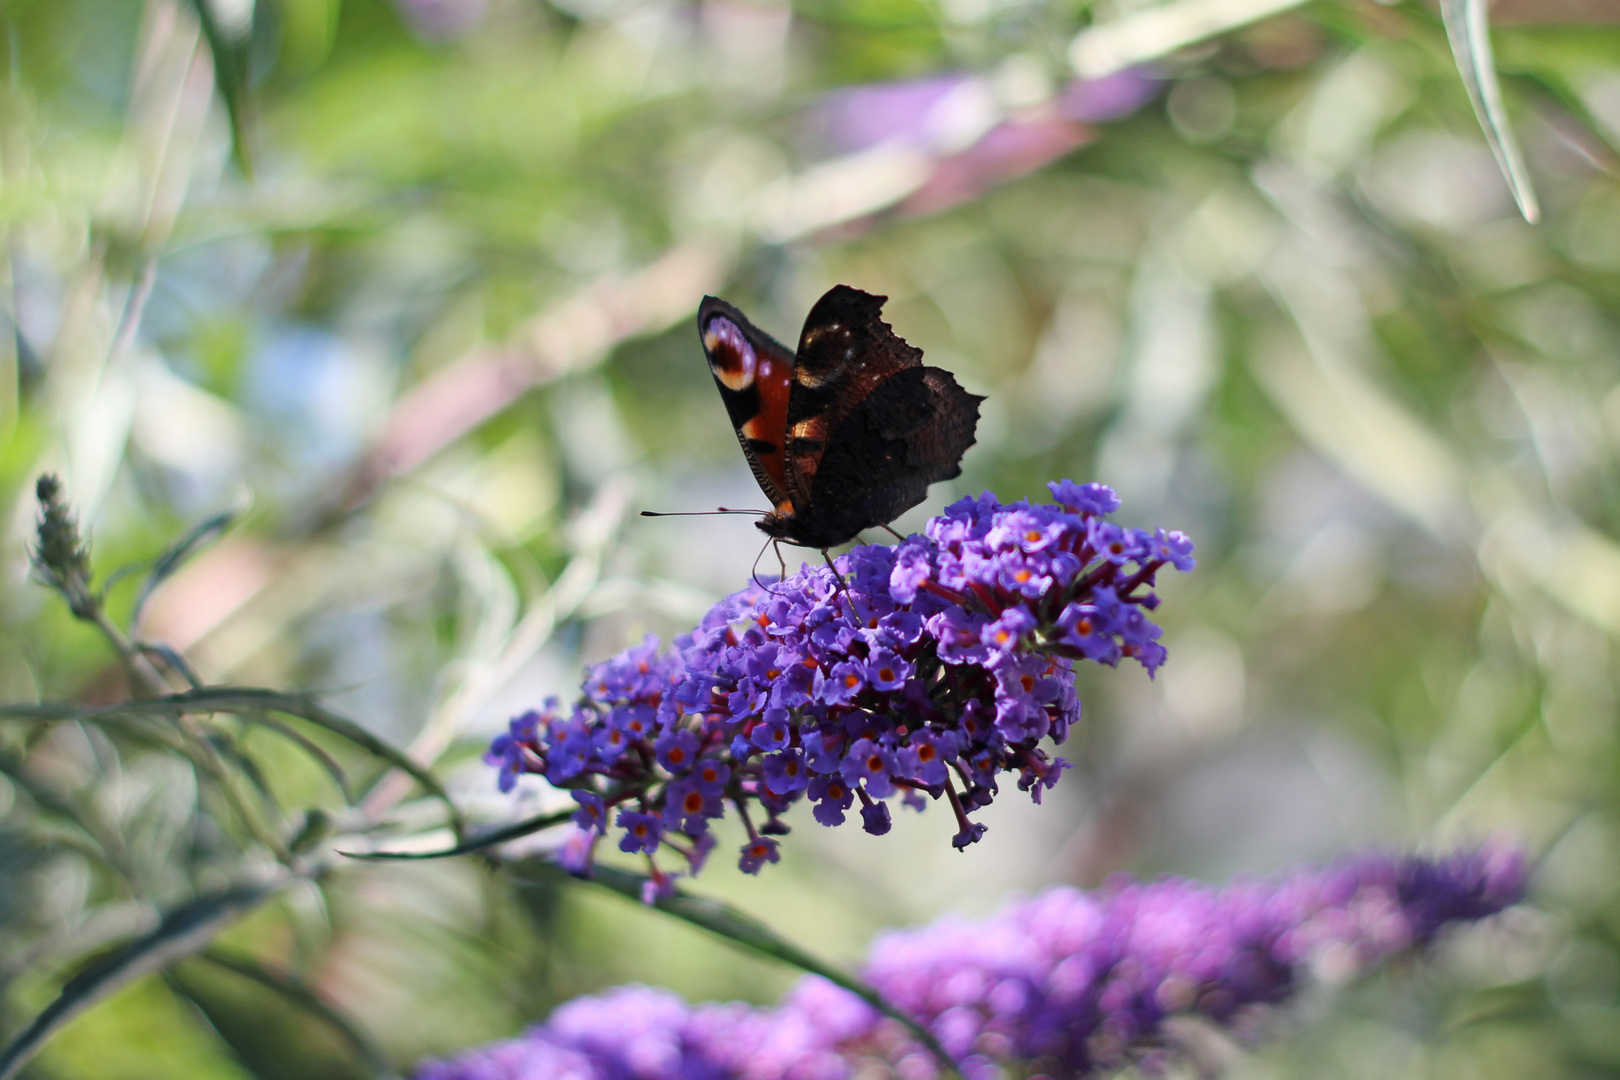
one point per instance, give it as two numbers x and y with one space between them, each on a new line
847 432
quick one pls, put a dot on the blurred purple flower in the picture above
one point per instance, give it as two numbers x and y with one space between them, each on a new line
918 112
861 117
1066 983
1112 97
975 142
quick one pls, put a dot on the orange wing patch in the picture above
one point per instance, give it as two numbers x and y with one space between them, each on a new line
754 374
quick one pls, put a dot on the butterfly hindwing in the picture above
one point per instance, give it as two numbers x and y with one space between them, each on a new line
907 434
845 352
754 373
869 427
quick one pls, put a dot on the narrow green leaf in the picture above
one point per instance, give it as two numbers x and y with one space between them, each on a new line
296 992
182 932
200 536
105 843
308 746
745 930
230 54
44 711
475 843
249 700
144 729
305 707
245 763
171 658
1563 109
1468 29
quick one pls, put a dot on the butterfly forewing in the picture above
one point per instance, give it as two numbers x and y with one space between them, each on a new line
753 372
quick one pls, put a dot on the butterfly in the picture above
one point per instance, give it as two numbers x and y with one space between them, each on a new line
846 433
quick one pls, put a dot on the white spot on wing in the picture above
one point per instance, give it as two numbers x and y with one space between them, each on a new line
731 357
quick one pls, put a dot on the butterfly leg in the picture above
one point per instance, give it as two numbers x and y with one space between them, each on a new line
838 583
753 571
892 533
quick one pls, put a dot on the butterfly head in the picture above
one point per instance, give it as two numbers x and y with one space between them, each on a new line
778 524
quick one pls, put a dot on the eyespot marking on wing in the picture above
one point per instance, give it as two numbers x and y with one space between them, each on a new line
731 357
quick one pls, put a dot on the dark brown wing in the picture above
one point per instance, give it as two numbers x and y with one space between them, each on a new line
869 427
845 352
753 371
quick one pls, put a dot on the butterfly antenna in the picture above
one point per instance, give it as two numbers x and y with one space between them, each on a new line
702 513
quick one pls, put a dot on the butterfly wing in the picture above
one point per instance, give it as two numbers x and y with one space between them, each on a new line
754 373
869 427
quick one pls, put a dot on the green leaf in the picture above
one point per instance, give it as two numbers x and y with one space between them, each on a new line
172 658
249 700
200 536
230 54
1468 29
475 843
308 746
742 929
305 998
183 931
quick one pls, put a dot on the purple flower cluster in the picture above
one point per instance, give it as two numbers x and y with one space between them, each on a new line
1066 983
926 669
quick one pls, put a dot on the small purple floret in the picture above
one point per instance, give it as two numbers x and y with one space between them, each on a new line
756 853
875 818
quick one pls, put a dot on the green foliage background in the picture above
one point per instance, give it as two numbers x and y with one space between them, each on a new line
408 287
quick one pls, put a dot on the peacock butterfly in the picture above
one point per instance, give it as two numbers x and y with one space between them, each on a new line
847 433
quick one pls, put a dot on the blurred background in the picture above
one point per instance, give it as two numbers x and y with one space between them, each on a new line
408 288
